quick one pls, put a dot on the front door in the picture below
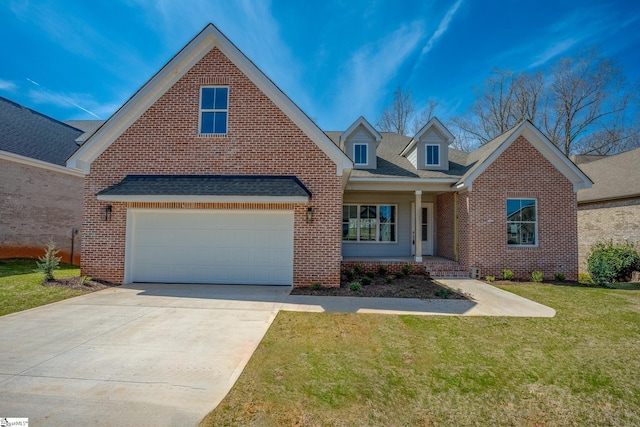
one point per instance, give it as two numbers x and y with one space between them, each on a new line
427 229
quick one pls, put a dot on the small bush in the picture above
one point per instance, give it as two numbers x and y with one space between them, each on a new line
443 293
84 280
355 286
537 276
490 278
371 274
406 269
349 274
609 262
559 277
383 270
507 274
389 278
49 262
584 279
399 274
358 269
316 286
366 280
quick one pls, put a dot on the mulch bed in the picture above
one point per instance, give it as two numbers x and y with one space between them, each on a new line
76 283
411 286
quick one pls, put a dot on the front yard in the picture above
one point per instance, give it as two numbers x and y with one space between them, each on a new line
580 368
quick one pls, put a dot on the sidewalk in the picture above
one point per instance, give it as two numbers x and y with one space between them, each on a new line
485 300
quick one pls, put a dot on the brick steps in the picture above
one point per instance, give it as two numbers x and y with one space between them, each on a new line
445 269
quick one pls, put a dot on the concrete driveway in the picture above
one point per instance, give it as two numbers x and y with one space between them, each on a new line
137 355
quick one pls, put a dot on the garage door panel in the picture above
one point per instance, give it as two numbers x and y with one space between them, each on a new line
231 247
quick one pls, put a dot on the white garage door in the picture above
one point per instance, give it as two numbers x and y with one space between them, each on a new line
209 246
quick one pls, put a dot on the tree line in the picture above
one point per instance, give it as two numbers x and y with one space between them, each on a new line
584 104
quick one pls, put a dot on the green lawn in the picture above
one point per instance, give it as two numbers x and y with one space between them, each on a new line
20 287
577 369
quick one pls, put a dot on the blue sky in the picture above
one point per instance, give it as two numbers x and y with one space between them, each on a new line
336 59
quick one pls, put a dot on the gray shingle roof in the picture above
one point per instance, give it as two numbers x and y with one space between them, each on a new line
31 134
89 127
613 177
207 185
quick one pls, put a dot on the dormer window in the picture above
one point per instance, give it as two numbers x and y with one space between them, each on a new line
360 154
432 155
214 108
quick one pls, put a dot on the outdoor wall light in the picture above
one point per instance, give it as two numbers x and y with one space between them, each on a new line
107 212
309 214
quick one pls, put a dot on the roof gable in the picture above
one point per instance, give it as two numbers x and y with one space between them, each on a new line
209 38
485 155
433 124
360 122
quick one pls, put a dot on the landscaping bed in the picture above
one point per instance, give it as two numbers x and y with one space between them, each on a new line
79 283
408 286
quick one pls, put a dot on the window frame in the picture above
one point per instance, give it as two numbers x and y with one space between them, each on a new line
359 207
521 222
366 153
213 110
426 154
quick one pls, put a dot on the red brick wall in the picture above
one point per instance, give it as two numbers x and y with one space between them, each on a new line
261 140
520 172
445 215
38 205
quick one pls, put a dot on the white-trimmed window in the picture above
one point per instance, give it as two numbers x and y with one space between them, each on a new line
369 223
522 222
432 155
214 109
360 153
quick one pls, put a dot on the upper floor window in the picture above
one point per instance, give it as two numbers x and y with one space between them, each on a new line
214 107
522 222
432 155
360 153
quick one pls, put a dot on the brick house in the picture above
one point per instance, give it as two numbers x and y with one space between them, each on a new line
610 209
210 174
40 198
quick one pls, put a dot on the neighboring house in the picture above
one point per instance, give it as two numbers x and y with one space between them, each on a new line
610 210
210 174
40 198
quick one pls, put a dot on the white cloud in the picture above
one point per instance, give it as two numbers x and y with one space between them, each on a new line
7 85
556 49
442 28
371 68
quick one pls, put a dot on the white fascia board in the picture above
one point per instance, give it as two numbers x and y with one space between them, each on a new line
17 158
394 184
434 122
203 199
404 180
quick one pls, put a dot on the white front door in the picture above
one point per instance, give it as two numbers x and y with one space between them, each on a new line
427 229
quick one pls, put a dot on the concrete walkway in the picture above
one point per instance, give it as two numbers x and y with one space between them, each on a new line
165 355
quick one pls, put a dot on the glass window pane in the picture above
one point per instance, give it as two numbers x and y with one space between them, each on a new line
387 214
367 229
513 210
206 123
528 234
433 154
360 153
207 98
387 233
528 210
221 98
513 234
368 212
220 123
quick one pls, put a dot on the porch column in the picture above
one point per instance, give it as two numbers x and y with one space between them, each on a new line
418 226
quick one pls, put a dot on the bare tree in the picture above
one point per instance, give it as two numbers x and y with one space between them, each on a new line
422 118
581 105
395 118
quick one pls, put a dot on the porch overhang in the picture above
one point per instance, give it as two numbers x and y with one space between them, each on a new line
401 184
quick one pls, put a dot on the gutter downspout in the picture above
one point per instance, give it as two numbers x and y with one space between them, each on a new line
456 255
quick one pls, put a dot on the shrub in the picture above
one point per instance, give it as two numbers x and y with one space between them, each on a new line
355 286
84 280
609 262
507 274
399 274
584 279
382 270
390 278
316 286
537 276
406 269
559 277
442 293
371 274
358 269
349 274
49 262
366 280
490 278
